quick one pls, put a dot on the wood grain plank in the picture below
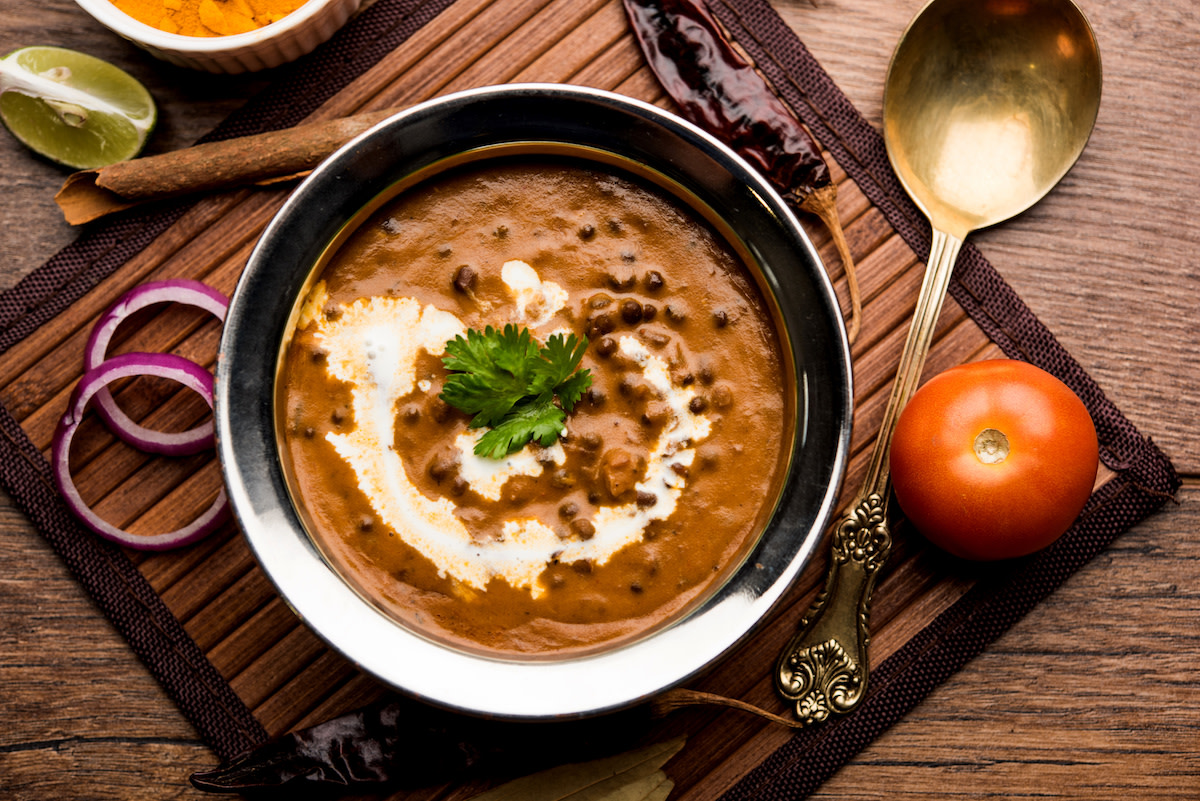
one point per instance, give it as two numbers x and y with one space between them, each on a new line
226 567
865 230
235 604
1100 670
260 631
508 58
612 66
424 45
141 489
215 256
192 493
453 56
289 703
571 53
163 569
355 692
277 666
641 84
19 359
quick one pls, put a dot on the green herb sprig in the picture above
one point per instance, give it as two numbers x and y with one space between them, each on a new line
510 383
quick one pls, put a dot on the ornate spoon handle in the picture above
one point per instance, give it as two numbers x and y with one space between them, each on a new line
823 668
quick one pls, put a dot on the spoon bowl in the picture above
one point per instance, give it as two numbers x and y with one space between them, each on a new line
987 104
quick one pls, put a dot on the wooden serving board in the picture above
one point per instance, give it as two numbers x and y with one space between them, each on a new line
281 672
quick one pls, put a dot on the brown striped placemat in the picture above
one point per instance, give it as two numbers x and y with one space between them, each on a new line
205 619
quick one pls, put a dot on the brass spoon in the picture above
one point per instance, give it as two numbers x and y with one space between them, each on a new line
986 105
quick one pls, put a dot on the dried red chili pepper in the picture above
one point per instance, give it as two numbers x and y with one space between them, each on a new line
408 745
721 92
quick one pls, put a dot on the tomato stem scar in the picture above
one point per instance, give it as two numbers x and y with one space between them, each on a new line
991 446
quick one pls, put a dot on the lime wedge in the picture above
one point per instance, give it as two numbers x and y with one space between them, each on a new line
73 108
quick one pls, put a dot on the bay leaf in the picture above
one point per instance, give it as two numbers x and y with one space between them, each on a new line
596 780
632 790
633 785
661 792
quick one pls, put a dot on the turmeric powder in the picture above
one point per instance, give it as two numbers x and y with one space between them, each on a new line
208 17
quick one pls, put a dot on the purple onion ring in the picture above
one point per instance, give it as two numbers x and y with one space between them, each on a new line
126 365
174 290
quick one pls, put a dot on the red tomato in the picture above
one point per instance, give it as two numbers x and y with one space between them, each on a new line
993 459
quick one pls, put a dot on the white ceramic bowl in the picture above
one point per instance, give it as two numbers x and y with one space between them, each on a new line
278 43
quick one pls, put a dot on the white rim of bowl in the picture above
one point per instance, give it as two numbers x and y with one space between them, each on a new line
117 20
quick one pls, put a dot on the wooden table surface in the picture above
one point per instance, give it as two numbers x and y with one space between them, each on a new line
1094 695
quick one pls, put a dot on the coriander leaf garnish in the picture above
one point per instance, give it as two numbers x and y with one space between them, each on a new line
492 371
570 391
530 419
510 384
559 358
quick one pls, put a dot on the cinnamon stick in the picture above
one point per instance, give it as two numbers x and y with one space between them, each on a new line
257 159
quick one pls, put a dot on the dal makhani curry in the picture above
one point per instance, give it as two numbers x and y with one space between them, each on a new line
663 473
